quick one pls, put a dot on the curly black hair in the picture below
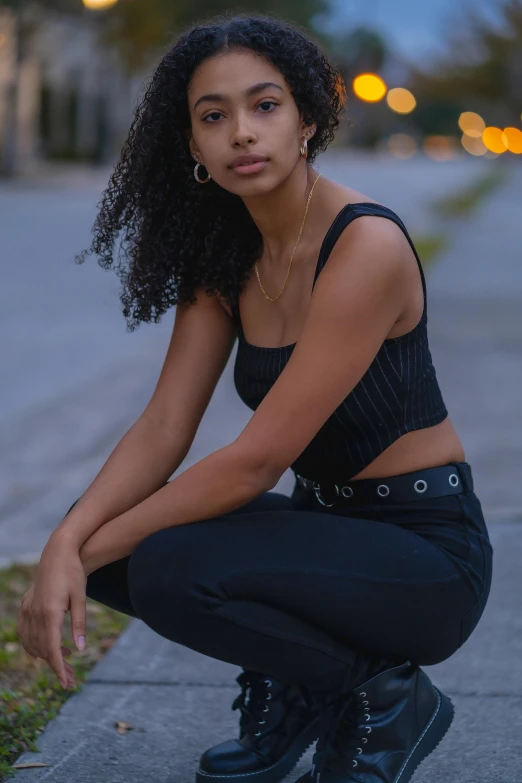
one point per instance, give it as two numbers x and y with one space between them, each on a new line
176 234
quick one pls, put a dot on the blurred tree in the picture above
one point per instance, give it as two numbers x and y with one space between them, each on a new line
141 29
481 69
359 50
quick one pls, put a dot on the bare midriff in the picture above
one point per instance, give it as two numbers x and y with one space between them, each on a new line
417 450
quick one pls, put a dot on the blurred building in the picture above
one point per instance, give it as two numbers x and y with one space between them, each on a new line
64 97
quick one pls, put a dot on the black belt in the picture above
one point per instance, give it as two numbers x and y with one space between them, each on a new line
450 479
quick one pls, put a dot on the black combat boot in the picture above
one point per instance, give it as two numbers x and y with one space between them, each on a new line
381 730
278 723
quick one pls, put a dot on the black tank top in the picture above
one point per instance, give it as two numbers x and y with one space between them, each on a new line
398 393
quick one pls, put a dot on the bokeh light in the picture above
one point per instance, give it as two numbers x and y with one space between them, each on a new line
512 138
99 4
440 147
473 144
369 87
401 100
471 124
402 146
492 138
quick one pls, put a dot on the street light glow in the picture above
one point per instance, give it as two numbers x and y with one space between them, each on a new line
98 5
369 87
439 147
492 138
402 145
512 138
401 100
471 124
474 145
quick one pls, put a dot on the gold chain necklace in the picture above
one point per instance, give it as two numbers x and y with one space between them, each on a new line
298 238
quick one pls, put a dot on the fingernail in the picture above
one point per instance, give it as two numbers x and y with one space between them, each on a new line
81 642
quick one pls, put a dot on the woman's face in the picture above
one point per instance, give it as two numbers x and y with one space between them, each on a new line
231 116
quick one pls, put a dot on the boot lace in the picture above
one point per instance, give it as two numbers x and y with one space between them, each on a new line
343 732
252 701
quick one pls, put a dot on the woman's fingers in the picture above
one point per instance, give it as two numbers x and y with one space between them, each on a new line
53 637
32 632
70 675
78 617
23 629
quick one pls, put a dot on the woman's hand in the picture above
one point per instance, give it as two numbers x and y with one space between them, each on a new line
59 586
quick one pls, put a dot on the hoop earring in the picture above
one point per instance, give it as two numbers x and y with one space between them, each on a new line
196 175
304 149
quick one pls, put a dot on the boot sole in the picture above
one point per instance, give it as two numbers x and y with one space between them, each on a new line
275 772
433 733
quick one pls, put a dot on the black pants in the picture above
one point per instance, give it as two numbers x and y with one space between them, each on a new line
287 587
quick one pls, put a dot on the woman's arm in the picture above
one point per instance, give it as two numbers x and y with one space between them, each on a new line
222 481
140 464
156 445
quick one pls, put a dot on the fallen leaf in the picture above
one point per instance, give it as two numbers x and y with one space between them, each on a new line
122 727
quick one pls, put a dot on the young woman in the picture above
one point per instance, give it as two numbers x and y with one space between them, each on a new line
380 560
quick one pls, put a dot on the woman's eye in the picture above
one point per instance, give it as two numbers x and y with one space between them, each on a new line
212 113
267 103
263 103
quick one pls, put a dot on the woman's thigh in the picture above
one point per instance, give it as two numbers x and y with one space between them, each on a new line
108 584
367 583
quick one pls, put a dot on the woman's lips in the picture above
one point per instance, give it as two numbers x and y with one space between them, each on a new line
250 168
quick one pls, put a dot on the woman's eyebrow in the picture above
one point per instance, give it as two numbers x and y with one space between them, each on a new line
215 96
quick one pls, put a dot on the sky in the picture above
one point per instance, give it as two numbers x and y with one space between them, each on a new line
415 28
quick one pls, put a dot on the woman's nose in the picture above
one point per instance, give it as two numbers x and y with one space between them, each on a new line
242 131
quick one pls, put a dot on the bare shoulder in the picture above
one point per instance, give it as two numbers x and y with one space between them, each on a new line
375 242
378 232
338 195
378 229
373 253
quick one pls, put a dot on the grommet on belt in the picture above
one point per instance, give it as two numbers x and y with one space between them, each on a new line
317 490
383 490
420 486
454 480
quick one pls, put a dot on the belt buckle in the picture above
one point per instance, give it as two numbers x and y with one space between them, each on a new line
317 490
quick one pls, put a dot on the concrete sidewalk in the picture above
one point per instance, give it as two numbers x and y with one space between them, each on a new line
178 701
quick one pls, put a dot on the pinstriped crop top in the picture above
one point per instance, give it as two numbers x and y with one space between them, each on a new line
398 393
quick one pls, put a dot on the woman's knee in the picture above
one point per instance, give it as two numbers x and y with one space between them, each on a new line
160 568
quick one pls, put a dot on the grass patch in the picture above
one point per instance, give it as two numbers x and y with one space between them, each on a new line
428 247
30 693
464 201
